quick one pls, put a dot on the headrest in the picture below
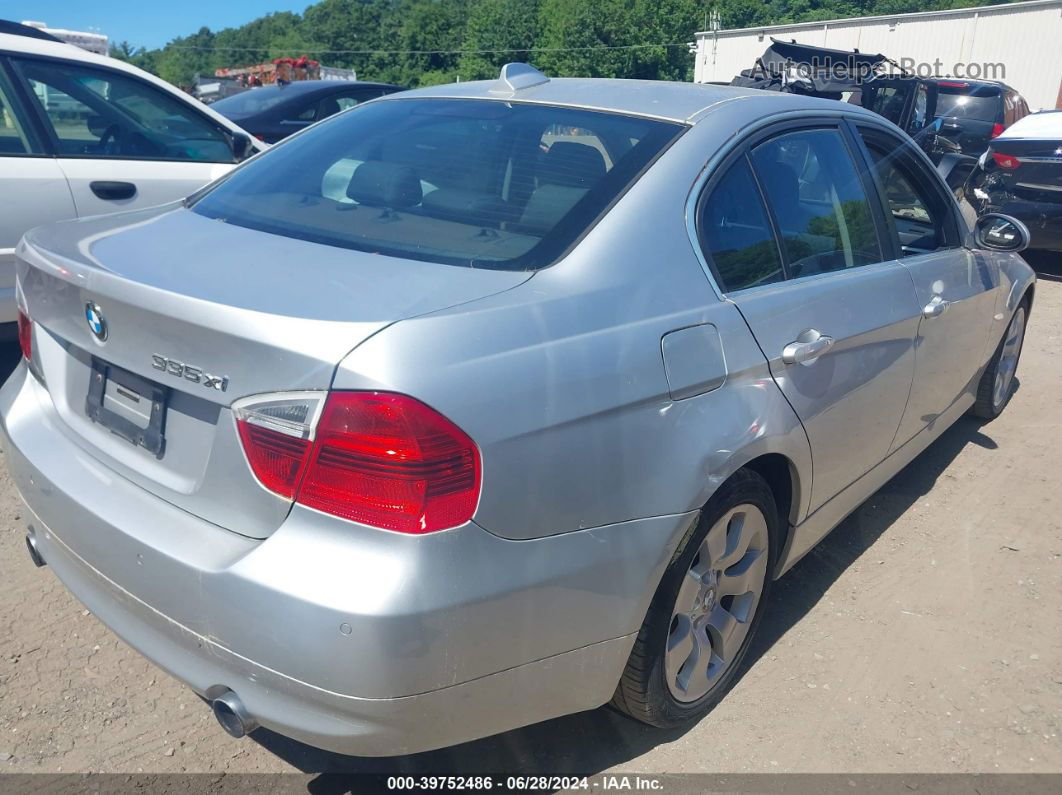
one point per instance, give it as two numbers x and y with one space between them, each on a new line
781 181
328 107
381 184
572 165
466 206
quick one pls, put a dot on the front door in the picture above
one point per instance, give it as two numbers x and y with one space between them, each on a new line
956 290
122 142
35 189
835 319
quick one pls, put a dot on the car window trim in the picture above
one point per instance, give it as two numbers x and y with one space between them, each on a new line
41 144
772 130
907 154
41 113
739 153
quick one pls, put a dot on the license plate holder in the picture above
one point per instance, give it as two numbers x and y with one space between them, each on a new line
109 384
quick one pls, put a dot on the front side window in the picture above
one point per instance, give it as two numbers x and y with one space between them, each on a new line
818 201
919 213
98 113
480 183
735 233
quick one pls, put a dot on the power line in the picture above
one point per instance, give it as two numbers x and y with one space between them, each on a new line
423 52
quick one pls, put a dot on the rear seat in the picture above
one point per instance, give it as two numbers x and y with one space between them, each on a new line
567 171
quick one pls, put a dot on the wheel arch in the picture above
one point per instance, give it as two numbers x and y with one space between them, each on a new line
783 476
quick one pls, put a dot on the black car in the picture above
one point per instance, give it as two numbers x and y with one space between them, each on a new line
973 112
274 112
1021 175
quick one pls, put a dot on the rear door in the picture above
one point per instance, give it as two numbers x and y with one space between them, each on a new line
795 243
122 143
34 187
956 291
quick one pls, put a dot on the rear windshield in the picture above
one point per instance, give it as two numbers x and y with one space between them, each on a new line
984 105
480 183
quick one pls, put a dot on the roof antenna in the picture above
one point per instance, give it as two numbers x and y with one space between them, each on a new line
518 76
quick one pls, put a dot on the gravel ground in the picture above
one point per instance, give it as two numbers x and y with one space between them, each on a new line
924 635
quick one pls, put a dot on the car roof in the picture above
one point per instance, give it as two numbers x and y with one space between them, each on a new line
671 101
972 84
1044 126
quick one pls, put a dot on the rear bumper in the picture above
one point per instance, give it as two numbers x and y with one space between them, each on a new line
370 644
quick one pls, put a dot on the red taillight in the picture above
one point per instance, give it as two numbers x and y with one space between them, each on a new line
25 335
276 458
953 84
1008 162
997 130
378 458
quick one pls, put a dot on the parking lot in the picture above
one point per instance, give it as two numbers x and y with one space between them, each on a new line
922 636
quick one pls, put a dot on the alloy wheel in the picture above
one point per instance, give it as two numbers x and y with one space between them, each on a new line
1008 358
716 603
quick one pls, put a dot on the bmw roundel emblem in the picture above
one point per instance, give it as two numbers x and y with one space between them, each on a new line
96 322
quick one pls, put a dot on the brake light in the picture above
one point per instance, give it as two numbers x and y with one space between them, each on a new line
379 458
25 335
277 433
1008 162
997 130
953 84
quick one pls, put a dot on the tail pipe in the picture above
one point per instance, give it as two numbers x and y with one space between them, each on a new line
34 552
233 715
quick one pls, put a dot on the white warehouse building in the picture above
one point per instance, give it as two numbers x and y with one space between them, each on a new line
86 40
1019 44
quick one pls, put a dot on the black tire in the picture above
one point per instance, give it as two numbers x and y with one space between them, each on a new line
987 405
643 692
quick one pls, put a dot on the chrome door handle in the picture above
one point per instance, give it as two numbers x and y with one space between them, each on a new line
936 307
808 347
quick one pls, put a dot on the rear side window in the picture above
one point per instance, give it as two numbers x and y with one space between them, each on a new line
818 201
735 234
480 183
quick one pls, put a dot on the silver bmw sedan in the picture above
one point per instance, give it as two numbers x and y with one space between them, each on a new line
482 404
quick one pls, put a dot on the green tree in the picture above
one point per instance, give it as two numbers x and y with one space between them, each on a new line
498 32
586 38
422 42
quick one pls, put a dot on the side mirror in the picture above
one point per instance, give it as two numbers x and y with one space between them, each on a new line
242 146
1000 232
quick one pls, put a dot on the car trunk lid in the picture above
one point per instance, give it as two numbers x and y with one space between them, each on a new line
203 313
1030 169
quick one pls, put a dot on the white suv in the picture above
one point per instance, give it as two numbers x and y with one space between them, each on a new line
82 134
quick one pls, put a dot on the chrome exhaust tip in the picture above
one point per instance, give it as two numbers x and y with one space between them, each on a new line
34 553
232 715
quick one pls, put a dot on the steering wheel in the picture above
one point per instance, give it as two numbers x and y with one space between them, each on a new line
110 141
